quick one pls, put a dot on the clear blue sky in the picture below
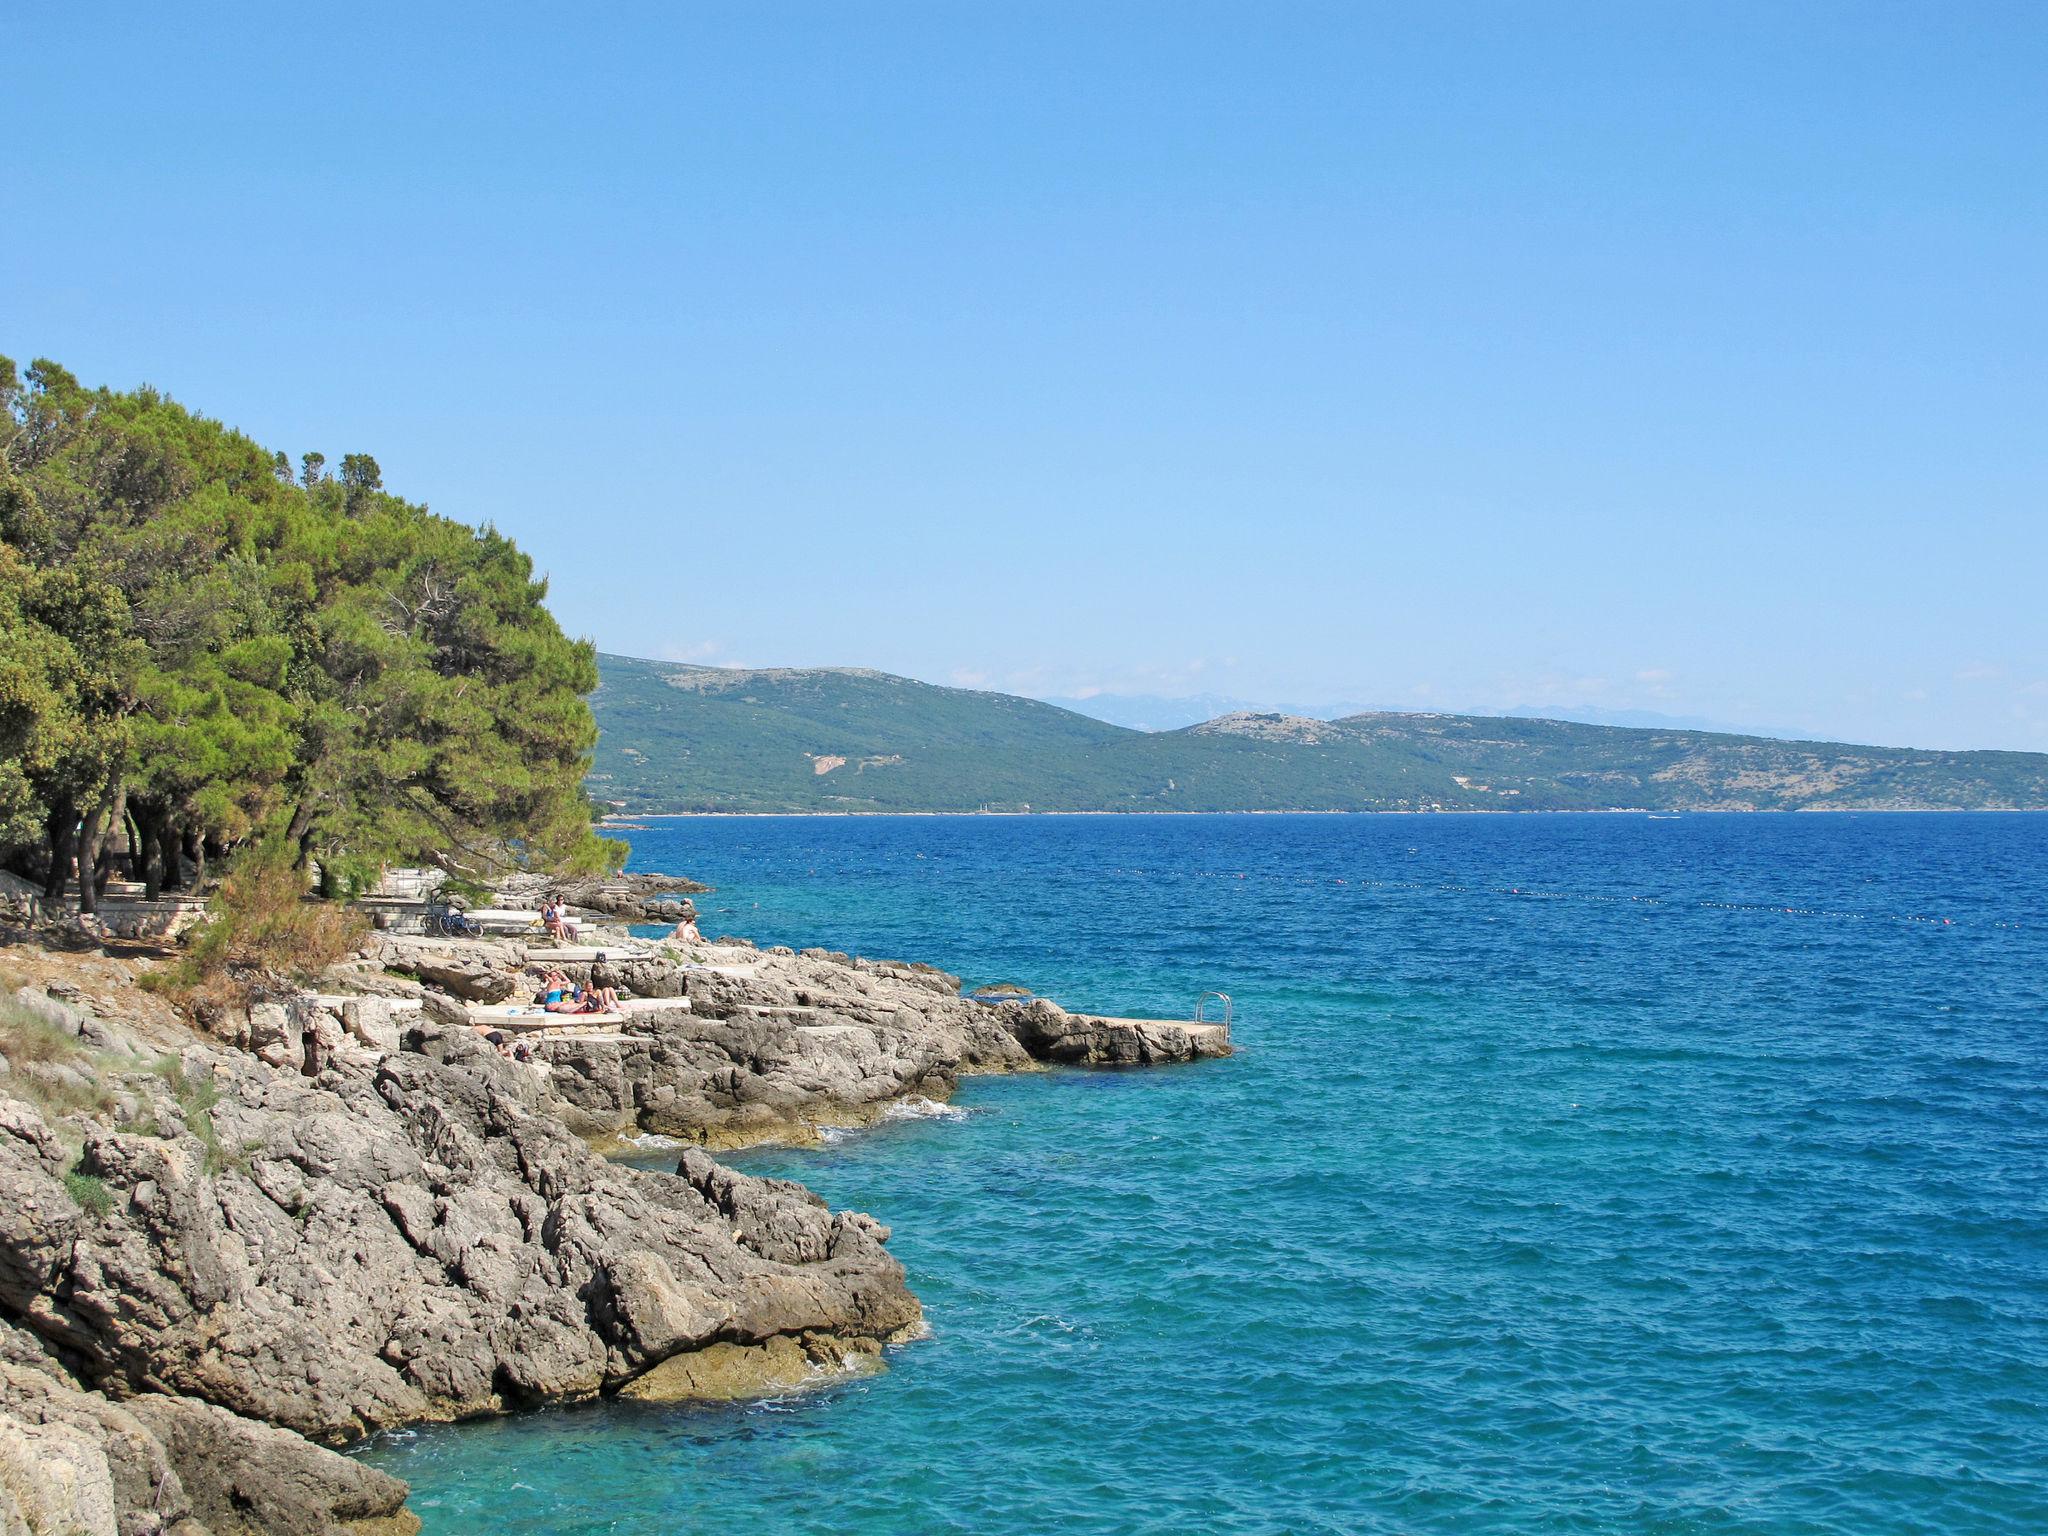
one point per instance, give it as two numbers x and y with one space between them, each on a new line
1686 358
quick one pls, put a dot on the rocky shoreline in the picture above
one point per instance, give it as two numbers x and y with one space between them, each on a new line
216 1267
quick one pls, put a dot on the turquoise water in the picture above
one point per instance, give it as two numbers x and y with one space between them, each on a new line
1568 1181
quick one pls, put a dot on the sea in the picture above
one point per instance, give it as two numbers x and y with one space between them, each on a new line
1597 1173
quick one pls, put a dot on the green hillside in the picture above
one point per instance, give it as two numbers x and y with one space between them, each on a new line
684 738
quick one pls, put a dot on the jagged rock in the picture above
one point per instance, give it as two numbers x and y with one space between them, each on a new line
443 1009
1050 1033
72 1460
634 896
59 1015
727 1372
371 1021
422 1237
481 971
414 1240
367 977
656 976
271 1034
245 1477
787 1045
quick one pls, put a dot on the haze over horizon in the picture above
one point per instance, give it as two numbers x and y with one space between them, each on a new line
1626 360
1163 712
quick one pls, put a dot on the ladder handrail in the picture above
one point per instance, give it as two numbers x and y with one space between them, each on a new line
1202 1003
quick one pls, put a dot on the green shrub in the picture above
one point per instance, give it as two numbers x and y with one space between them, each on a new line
197 1096
91 1193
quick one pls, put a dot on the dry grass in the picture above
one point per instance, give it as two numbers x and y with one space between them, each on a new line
264 934
50 1069
24 1037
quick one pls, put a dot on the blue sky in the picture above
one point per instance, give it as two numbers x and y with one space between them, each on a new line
1635 356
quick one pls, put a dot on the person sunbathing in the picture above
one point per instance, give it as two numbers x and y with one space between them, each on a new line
687 932
600 1000
569 1001
554 986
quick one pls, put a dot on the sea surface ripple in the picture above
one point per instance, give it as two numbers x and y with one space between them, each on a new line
1577 1174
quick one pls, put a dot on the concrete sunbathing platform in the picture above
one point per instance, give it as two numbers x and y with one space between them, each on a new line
583 954
506 919
538 1021
531 1016
626 1005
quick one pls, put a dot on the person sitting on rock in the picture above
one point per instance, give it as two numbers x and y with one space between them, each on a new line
687 932
555 916
554 986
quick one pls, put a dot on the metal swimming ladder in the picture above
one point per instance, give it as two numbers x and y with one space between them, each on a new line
1202 1003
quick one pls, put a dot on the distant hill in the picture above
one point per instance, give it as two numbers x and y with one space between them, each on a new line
685 738
1154 712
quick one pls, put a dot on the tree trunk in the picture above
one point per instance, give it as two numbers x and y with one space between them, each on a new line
117 821
301 832
167 845
142 838
149 852
89 859
62 828
197 842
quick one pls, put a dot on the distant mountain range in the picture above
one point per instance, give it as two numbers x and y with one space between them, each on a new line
689 738
1159 712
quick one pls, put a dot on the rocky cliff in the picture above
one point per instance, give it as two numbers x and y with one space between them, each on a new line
224 1253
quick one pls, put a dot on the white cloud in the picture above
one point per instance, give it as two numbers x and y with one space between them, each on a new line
1166 679
699 651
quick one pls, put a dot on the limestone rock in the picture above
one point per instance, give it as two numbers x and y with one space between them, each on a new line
405 1240
633 896
1050 1033
480 970
245 1477
729 1372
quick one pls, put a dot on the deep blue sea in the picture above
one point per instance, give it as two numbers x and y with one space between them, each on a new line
1578 1173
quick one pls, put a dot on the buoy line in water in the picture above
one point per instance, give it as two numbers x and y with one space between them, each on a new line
1766 909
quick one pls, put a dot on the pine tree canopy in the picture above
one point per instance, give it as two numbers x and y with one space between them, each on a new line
204 650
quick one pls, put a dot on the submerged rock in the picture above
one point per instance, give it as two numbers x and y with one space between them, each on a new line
730 1372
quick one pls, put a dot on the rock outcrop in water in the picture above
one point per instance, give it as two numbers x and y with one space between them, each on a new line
772 1045
213 1265
405 1240
80 1463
